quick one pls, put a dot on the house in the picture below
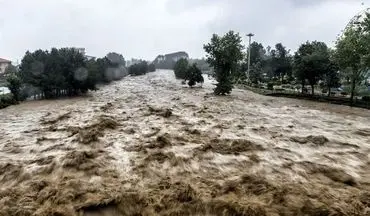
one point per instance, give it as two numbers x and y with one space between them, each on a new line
168 61
176 56
171 57
4 64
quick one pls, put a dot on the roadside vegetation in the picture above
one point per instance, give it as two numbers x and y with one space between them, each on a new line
61 72
314 69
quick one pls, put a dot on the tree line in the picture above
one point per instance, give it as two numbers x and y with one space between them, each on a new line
62 72
312 64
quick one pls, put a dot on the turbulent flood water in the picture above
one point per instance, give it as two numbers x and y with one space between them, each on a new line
149 146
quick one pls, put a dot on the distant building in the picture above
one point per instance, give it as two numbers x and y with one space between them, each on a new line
4 64
171 57
177 56
168 61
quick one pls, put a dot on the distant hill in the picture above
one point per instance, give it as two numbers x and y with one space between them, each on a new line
168 61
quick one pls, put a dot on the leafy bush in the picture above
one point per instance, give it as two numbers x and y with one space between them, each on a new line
344 93
194 75
14 84
181 68
7 100
66 71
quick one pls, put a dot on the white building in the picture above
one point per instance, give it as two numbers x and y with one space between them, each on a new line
4 64
171 57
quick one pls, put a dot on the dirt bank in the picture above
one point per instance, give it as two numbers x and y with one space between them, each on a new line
148 146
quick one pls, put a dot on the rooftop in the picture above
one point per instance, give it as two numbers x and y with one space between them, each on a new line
4 61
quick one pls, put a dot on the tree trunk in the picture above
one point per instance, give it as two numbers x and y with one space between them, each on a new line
353 85
302 87
313 90
329 91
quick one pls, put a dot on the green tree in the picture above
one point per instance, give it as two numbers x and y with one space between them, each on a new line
281 62
256 63
224 54
353 53
311 62
56 73
180 68
257 53
14 84
331 76
94 74
194 75
104 73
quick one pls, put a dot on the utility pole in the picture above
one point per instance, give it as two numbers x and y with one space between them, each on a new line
250 35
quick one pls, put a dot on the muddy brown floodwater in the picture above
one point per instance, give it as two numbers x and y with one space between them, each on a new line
148 146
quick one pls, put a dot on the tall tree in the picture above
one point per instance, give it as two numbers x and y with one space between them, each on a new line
58 72
194 75
224 53
257 53
331 77
281 61
180 68
14 84
311 62
257 62
116 59
352 52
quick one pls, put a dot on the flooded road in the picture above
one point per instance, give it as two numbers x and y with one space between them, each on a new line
149 146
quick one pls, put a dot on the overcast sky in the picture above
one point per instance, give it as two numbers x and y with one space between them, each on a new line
146 28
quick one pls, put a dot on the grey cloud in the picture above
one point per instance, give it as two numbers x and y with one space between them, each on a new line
145 28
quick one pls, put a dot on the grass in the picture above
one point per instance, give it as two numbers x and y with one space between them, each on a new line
319 98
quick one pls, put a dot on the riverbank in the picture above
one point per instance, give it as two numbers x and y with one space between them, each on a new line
319 98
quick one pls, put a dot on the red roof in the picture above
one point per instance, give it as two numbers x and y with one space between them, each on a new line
4 61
